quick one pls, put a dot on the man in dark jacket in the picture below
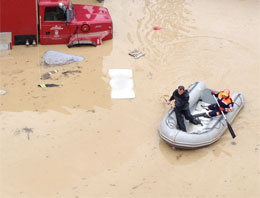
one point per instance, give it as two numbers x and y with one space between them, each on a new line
181 97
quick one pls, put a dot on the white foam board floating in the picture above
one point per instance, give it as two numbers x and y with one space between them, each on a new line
121 83
120 73
122 94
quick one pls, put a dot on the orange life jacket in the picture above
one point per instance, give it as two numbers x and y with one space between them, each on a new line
226 103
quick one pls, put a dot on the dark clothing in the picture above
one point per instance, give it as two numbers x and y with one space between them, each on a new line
181 101
182 107
226 103
180 120
214 110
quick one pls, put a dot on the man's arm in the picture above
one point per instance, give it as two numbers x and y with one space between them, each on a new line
171 99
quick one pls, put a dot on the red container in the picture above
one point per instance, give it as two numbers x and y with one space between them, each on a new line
20 18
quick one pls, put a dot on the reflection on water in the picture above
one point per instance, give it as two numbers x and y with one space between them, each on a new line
181 157
185 157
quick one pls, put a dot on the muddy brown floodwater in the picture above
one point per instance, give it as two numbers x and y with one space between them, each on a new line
74 141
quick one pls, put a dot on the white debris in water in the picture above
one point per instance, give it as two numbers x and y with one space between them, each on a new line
136 54
122 83
2 92
58 58
127 73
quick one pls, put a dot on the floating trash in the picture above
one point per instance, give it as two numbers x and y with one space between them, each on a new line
66 73
157 28
48 74
58 58
136 54
48 85
2 92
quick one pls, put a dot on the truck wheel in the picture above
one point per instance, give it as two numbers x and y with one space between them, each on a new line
85 28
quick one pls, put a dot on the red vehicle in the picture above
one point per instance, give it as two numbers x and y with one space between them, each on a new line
55 22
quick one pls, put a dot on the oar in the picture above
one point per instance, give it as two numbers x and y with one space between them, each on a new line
229 126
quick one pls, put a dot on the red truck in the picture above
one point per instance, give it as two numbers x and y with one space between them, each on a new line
55 22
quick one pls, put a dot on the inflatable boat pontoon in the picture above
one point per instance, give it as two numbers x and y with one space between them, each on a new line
198 135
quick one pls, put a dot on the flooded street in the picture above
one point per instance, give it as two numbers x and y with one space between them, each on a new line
74 141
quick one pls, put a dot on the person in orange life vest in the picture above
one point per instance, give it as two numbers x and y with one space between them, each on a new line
225 102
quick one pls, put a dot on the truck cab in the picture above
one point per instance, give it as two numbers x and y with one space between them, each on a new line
61 22
54 22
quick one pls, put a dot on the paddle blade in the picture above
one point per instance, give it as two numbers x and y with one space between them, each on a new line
231 130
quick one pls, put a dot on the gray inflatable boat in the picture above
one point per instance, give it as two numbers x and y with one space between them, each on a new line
198 135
